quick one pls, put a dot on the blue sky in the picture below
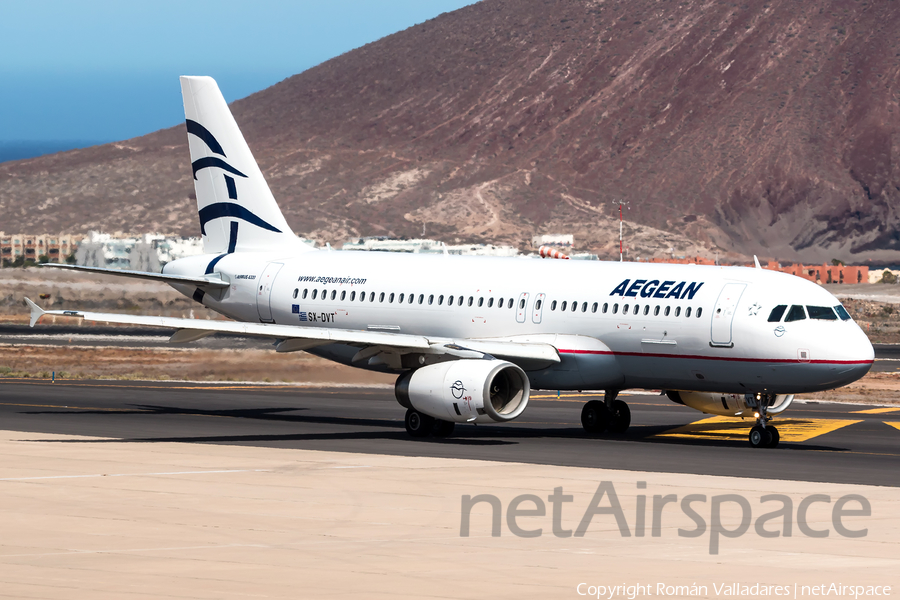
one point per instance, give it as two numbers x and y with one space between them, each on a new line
104 70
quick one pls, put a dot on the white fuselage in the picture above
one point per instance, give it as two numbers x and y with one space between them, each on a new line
616 325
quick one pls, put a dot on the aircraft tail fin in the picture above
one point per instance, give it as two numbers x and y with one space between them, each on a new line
237 210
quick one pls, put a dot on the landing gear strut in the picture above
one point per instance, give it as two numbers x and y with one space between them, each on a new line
763 435
609 415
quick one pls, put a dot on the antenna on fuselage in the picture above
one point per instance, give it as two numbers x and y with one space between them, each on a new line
756 262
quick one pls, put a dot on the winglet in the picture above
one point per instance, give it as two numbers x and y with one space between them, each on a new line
36 311
756 262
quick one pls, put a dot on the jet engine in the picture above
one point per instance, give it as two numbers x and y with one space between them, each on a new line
729 405
466 391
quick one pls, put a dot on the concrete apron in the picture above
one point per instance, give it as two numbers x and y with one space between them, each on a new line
93 518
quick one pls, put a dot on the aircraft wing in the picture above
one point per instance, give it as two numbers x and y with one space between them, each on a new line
210 281
292 338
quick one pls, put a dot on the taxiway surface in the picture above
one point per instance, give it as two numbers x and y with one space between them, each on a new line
832 443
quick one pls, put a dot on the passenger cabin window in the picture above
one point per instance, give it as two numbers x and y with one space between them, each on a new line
440 299
656 311
324 294
470 301
422 298
823 313
430 299
776 313
615 308
553 305
399 299
666 313
352 296
372 296
636 309
625 309
296 291
574 306
391 298
677 310
459 301
305 292
522 303
594 307
449 300
333 294
584 307
795 314
646 309
509 303
842 312
381 297
490 302
500 303
315 293
687 311
605 306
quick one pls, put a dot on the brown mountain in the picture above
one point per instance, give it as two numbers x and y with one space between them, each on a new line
766 127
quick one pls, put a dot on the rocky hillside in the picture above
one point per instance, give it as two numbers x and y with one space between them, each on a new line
769 127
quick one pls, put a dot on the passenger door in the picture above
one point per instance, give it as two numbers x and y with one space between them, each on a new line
723 315
264 292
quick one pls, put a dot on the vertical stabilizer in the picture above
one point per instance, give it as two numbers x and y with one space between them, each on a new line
237 210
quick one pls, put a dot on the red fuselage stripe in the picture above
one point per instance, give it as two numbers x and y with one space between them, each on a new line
726 358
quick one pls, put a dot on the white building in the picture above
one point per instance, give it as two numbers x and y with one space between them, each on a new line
559 240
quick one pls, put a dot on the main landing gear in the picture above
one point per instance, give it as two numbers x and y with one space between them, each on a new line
609 415
419 425
764 435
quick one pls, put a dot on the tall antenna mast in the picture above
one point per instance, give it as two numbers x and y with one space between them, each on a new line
621 203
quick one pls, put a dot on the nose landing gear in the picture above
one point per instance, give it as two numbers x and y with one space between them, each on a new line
763 435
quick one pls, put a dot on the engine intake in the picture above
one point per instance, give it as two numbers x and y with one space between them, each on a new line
466 391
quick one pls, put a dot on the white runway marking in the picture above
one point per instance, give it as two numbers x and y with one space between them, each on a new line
133 474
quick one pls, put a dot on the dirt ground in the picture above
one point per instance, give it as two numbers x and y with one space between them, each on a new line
179 363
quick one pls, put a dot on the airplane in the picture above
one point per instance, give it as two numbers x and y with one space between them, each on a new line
471 337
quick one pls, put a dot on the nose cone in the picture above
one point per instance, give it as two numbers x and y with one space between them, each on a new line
860 355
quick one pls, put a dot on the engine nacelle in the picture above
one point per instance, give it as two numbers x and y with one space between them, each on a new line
466 391
728 405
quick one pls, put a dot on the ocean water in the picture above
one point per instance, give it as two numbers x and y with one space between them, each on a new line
19 150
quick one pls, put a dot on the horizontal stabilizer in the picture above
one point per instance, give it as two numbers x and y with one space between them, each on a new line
211 281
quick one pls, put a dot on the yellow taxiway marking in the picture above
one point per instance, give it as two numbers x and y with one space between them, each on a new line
894 424
731 428
876 411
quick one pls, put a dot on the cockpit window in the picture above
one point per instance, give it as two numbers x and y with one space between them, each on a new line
842 312
824 313
795 314
777 313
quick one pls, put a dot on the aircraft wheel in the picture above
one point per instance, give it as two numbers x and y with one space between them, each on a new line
595 417
760 437
620 417
442 429
774 435
417 424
